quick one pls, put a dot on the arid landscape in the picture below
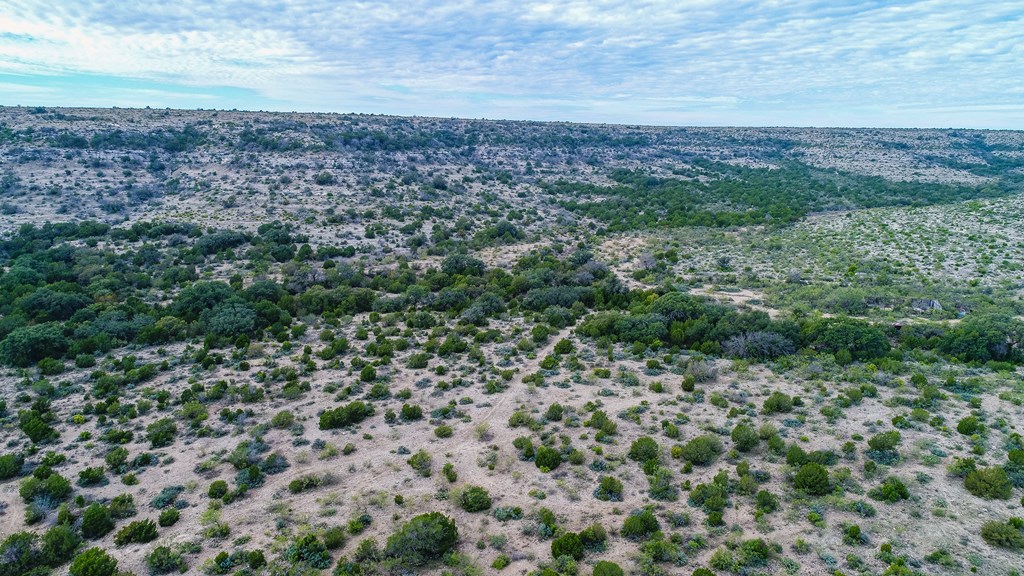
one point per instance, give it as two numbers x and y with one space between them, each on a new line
288 344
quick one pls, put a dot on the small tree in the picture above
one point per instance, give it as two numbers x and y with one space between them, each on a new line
1009 534
475 499
640 525
138 532
643 449
163 560
567 544
59 544
161 433
606 568
989 483
745 437
421 462
548 458
813 479
310 550
968 425
96 521
10 466
368 373
702 450
609 489
422 539
891 490
218 488
885 441
93 562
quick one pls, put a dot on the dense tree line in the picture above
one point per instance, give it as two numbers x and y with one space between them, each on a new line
723 195
62 299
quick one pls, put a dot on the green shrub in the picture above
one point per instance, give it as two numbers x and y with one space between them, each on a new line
609 489
411 412
891 490
711 497
305 482
347 415
122 506
567 544
309 550
421 462
661 485
59 544
36 426
766 502
161 433
474 499
640 524
1009 534
19 554
50 366
501 562
448 470
554 412
968 425
425 538
593 536
138 532
813 479
418 361
163 560
643 449
93 562
96 521
989 483
754 552
10 466
961 467
745 437
547 458
702 450
282 420
334 537
722 559
168 517
777 402
92 476
52 489
368 373
218 488
116 459
885 441
606 568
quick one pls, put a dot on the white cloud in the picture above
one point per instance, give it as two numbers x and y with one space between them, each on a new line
744 60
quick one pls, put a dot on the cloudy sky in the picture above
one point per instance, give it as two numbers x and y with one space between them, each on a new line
940 63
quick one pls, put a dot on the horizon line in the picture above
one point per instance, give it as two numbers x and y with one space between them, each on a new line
522 120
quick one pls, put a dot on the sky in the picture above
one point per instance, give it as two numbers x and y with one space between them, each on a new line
930 63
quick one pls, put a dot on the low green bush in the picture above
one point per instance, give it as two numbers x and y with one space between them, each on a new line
813 479
424 538
989 483
474 499
93 562
568 544
138 532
